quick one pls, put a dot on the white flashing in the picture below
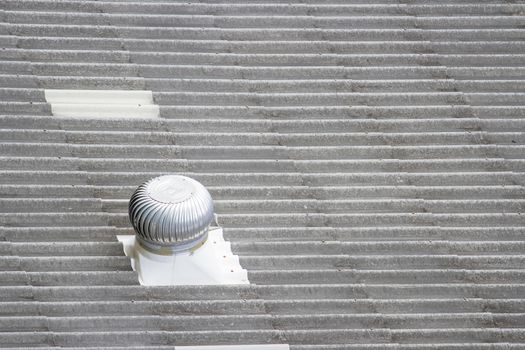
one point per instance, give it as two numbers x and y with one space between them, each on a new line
236 347
212 263
102 103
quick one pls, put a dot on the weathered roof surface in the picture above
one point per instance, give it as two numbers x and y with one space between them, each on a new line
366 159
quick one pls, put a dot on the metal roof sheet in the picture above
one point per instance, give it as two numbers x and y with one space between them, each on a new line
366 158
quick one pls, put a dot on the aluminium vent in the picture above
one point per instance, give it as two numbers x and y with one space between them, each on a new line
171 212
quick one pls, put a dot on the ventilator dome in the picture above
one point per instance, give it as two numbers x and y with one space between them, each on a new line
172 212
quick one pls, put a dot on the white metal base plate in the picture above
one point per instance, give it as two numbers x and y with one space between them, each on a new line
211 263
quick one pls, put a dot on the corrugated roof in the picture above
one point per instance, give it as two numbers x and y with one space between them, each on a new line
365 157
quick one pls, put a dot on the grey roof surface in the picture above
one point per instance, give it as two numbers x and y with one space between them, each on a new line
366 159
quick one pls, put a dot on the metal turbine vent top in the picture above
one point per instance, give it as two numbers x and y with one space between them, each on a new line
171 211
